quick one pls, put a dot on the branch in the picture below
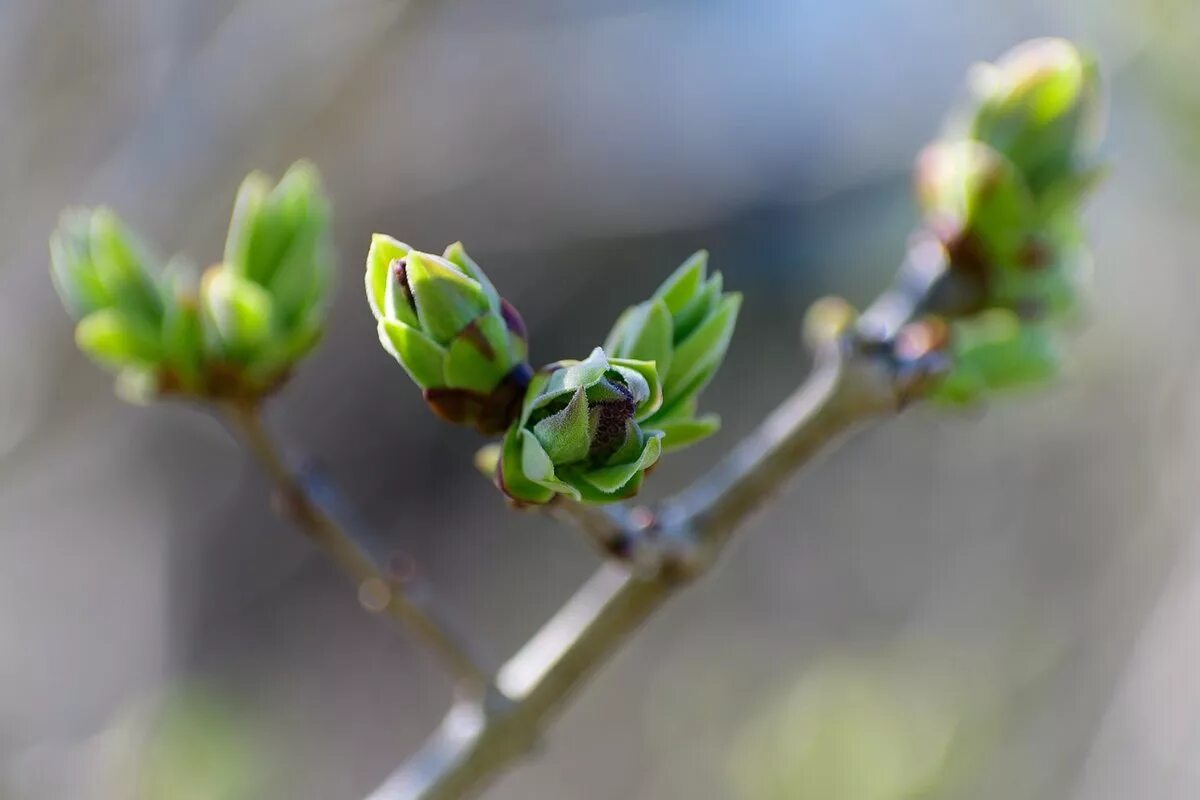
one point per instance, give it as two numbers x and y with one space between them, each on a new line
313 505
478 741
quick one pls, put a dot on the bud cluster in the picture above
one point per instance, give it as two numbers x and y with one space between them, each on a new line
442 319
580 432
588 430
237 332
1000 195
684 329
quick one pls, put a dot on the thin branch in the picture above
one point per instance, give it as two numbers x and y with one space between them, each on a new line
478 741
312 505
843 390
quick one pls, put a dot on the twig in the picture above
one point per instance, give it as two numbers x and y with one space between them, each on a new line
478 741
311 505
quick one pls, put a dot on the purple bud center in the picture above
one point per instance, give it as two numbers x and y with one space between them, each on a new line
610 423
400 270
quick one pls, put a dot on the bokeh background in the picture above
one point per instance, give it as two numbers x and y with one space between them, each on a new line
1002 604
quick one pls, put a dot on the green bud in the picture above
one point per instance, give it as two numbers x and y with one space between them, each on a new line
96 262
236 335
117 339
238 314
278 236
1039 105
582 432
684 330
994 351
442 319
974 199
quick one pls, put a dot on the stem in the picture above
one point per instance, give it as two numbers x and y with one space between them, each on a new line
406 601
841 392
478 741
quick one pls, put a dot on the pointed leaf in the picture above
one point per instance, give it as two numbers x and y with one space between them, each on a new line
247 208
121 266
703 351
591 495
610 479
511 476
398 300
564 435
635 440
698 310
117 339
537 466
683 284
71 267
479 357
384 250
649 335
447 300
571 375
533 393
239 310
615 343
456 254
648 372
680 433
422 358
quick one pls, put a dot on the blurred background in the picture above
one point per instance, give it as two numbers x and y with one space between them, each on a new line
989 605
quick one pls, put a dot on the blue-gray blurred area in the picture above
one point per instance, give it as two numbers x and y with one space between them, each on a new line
1001 604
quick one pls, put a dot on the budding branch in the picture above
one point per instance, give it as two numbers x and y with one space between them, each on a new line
665 549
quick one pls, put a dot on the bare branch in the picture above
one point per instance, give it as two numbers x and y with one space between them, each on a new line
312 505
842 391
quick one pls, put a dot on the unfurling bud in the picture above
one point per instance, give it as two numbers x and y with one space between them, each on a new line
684 329
1001 198
1039 106
974 200
239 333
583 432
442 319
994 351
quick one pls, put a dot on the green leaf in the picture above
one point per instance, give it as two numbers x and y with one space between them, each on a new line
680 433
631 449
591 495
702 352
512 476
71 267
118 339
456 254
683 284
539 468
564 435
121 266
684 408
697 311
183 339
647 335
610 479
479 357
422 358
615 342
384 250
302 279
239 310
447 300
647 372
571 375
247 208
